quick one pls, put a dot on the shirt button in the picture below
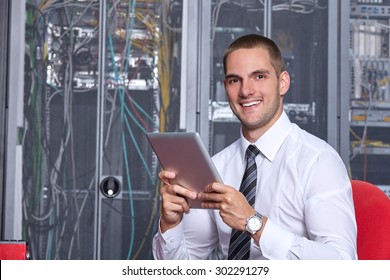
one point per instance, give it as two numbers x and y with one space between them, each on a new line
171 240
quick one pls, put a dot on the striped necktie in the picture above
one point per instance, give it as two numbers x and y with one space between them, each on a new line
240 242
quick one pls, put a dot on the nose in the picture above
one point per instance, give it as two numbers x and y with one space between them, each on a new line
246 88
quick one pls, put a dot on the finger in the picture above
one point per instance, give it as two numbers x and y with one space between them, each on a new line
166 176
210 205
176 204
210 197
180 191
177 195
216 188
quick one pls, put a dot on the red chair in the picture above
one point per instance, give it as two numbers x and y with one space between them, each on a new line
372 210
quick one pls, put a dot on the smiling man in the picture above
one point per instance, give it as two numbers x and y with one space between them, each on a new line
286 193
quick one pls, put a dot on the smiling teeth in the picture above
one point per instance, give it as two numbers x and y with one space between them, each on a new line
250 103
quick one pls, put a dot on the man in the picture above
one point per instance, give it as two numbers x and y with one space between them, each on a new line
303 207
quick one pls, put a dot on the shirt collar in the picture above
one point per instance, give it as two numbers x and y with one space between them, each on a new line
271 141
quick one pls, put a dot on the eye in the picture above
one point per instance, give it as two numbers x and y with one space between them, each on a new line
259 76
233 81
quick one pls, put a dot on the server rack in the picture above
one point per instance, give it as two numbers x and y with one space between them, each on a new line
96 75
312 37
369 95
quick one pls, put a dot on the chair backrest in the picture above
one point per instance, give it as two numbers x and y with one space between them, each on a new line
372 210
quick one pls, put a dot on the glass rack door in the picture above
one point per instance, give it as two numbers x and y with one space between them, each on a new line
139 95
96 76
303 31
229 20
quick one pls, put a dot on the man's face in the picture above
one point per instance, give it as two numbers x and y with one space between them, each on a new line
254 90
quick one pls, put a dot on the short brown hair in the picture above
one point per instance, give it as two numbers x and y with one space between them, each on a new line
251 41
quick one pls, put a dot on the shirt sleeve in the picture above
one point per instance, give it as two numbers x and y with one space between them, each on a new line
170 245
329 218
194 238
275 242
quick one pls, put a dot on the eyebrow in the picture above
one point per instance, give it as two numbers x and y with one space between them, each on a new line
262 71
256 72
229 76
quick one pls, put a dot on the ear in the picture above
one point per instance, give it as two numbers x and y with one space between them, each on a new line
284 83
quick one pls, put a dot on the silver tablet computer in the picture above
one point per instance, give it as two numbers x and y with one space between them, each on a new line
185 154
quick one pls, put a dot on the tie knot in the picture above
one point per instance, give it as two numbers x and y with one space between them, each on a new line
252 152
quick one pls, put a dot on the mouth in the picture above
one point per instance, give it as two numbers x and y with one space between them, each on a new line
249 104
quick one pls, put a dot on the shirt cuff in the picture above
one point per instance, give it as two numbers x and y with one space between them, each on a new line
275 242
173 237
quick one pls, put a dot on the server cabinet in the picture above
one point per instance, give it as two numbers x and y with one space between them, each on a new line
312 36
91 78
369 95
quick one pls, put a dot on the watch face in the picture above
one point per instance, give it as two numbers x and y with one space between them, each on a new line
254 224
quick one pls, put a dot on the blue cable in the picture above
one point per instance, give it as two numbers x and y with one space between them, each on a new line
138 150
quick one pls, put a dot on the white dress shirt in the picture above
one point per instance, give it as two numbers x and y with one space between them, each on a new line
303 189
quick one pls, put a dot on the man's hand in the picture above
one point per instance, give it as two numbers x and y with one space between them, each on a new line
174 202
232 204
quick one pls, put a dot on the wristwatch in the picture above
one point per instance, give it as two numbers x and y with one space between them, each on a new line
254 223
